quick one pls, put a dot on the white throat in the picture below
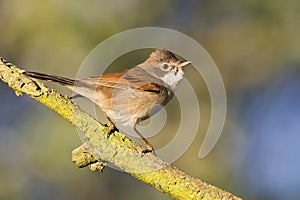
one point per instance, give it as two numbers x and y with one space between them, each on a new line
172 79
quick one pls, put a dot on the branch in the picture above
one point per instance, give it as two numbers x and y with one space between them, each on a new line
117 148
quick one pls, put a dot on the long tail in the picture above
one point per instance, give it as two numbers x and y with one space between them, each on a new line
57 79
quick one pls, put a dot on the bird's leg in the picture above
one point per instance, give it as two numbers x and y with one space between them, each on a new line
111 127
76 96
149 145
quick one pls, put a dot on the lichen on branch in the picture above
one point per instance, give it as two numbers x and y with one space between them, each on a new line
117 148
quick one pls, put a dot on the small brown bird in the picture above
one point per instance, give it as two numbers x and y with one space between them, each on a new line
128 97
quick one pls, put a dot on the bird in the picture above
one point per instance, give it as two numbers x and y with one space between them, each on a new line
128 97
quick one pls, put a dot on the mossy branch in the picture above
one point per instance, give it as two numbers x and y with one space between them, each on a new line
116 148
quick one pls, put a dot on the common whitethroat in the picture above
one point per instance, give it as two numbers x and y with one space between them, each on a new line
130 96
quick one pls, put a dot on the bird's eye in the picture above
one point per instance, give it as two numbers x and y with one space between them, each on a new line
165 66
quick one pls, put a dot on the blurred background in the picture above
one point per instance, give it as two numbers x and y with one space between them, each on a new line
256 46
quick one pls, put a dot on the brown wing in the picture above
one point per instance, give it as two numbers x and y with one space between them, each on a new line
124 80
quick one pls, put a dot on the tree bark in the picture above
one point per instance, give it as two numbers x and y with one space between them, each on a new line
116 148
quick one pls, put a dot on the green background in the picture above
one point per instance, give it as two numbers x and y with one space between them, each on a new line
253 43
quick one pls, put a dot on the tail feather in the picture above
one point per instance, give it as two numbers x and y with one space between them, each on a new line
57 79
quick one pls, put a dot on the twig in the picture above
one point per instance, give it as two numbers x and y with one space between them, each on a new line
117 148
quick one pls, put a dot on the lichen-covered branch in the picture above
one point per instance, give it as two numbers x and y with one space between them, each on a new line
116 148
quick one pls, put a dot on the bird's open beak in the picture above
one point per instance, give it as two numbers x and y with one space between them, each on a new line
184 64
